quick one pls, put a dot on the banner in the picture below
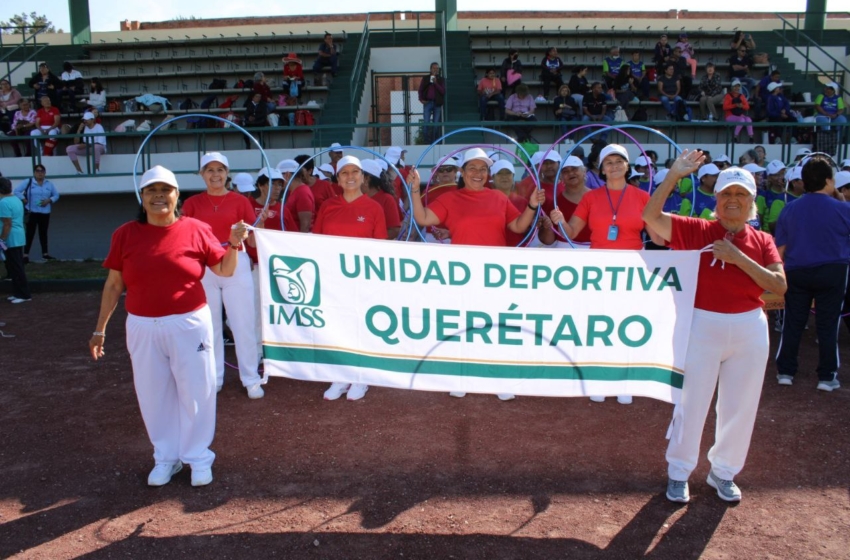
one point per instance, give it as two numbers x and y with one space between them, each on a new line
546 322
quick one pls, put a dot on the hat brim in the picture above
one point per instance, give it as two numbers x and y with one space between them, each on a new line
295 60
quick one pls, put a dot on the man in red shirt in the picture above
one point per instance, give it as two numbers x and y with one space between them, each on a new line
299 198
48 122
335 154
320 187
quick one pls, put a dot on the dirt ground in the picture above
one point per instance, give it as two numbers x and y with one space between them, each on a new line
397 475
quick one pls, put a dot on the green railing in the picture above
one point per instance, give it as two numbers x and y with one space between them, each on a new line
358 73
800 20
25 42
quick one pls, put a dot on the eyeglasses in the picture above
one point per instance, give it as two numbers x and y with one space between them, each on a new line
447 169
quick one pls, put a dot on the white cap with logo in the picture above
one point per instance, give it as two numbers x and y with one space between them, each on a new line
735 176
775 167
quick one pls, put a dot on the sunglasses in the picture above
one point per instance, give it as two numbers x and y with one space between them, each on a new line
447 169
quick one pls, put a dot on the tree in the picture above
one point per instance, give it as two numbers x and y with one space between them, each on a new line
23 21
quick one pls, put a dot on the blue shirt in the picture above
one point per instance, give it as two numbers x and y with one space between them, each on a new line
815 230
35 193
673 203
637 69
11 207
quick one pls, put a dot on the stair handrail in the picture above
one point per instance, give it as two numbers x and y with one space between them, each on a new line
24 40
444 61
359 70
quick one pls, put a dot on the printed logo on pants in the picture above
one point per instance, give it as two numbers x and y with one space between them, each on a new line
202 347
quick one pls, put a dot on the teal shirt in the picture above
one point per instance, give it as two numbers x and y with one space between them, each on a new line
12 207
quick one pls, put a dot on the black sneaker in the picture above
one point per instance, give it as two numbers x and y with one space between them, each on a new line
47 257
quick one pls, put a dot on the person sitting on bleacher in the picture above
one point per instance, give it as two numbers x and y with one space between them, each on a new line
735 107
44 83
327 56
682 70
710 93
687 51
669 89
740 39
293 76
779 110
511 71
23 123
625 86
761 93
663 50
70 88
48 122
10 99
520 107
611 66
639 73
256 115
550 71
90 134
490 89
262 87
566 108
579 85
830 106
740 65
595 107
97 96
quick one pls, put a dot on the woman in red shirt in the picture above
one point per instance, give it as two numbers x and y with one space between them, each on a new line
729 340
293 73
160 260
219 208
351 215
378 188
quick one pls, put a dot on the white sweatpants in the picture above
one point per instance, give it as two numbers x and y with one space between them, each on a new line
174 375
237 294
727 352
258 307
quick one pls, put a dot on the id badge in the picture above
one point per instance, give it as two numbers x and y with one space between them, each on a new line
613 231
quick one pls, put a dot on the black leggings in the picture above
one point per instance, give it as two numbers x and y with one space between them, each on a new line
42 222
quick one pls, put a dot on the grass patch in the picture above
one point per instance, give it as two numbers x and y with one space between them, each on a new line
63 270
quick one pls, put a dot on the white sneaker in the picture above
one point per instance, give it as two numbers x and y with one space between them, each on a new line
201 477
162 473
336 390
20 300
624 399
597 399
506 397
457 394
256 391
357 391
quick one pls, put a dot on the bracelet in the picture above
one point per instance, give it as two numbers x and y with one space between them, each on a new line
235 247
99 333
533 208
416 192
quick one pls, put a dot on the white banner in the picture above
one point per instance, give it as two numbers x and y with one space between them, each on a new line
476 319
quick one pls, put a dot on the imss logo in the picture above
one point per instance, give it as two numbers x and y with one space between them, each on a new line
296 288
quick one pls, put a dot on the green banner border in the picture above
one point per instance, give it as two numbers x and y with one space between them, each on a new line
471 369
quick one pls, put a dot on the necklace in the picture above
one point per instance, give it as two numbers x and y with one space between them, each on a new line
215 206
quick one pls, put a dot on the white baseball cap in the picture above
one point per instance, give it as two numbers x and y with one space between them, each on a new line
536 158
243 182
754 168
723 158
708 169
337 146
842 179
845 163
613 149
660 176
476 153
327 169
381 161
552 155
495 155
450 162
393 154
349 160
635 173
775 167
642 161
371 167
735 176
794 173
802 152
319 174
158 174
573 161
210 157
773 85
736 82
88 115
270 172
501 165
287 166
833 85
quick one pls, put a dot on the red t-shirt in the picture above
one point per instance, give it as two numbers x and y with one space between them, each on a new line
47 117
220 212
399 188
724 289
323 190
301 200
272 222
475 217
512 239
436 191
361 218
598 213
525 187
567 208
162 267
390 207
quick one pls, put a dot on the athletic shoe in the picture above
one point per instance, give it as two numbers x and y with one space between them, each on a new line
256 391
506 397
20 300
336 390
597 399
677 491
201 477
357 391
47 257
457 394
830 385
162 473
624 399
785 379
10 298
726 489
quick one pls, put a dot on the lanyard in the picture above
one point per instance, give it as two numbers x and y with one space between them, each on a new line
614 210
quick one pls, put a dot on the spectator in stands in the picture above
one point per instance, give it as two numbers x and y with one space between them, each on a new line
89 135
816 260
327 55
611 65
10 99
293 76
256 114
490 89
432 93
550 71
49 123
566 108
23 124
761 93
742 39
70 87
511 72
638 72
661 57
625 86
261 86
97 96
740 66
710 93
830 106
682 71
669 89
12 238
687 53
520 107
579 85
735 107
44 83
779 111
38 195
595 107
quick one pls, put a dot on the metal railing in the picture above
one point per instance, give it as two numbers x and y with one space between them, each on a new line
24 44
444 61
800 18
358 72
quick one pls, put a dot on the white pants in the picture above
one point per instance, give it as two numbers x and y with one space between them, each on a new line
174 375
45 130
727 352
237 294
258 307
